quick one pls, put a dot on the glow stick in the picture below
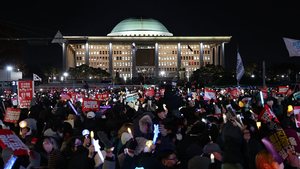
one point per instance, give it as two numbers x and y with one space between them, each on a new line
212 158
73 108
262 99
129 131
224 118
156 132
258 124
92 138
95 143
10 163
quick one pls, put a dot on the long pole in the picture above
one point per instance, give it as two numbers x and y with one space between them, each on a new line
188 64
264 74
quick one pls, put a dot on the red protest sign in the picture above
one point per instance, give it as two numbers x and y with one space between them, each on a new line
25 93
10 140
282 89
101 96
289 92
65 97
210 94
297 115
266 115
90 105
149 93
8 92
12 115
162 92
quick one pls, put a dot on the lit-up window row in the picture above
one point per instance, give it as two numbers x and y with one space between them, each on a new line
167 47
167 69
80 58
122 69
167 58
190 63
92 46
98 58
167 63
99 63
122 63
167 52
122 58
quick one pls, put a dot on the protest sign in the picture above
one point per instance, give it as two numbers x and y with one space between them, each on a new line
279 142
102 96
65 97
25 93
264 93
132 97
10 140
149 93
162 92
12 115
266 115
289 92
283 89
297 115
90 105
210 94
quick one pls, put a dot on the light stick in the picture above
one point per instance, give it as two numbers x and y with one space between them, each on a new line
92 138
262 99
224 118
290 108
258 124
156 132
212 158
85 133
71 105
10 163
129 131
23 124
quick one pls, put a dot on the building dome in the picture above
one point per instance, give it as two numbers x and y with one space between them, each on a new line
140 27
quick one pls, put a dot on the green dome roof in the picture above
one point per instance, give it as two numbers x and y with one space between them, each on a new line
140 27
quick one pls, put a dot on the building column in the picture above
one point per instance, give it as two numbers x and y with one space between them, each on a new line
178 57
87 54
201 55
217 54
110 60
64 55
133 62
156 60
222 55
213 56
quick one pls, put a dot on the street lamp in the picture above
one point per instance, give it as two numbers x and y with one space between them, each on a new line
162 73
8 68
65 74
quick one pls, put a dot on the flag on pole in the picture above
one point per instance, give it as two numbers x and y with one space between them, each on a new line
240 71
133 47
190 48
36 78
293 46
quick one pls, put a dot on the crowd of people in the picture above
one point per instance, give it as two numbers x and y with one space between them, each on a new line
193 134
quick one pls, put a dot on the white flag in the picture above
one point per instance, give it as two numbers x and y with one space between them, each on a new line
240 71
36 78
293 46
133 47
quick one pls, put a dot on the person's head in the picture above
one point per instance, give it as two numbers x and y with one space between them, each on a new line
74 142
161 113
145 124
124 128
265 160
43 144
269 101
167 157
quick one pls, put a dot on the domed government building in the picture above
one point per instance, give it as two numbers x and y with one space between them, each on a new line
142 46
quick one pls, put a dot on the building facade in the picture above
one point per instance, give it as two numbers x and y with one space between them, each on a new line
142 46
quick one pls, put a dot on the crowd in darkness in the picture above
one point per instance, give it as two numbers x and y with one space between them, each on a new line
192 132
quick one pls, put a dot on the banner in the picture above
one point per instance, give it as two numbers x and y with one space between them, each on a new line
9 139
210 94
240 71
102 96
266 115
282 89
25 93
65 97
149 93
12 115
279 142
289 92
132 97
90 105
293 46
297 115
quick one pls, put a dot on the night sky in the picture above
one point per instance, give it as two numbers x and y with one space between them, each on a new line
258 27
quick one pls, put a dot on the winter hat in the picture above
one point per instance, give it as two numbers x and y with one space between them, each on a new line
197 161
144 121
6 154
125 137
141 145
194 150
211 147
90 115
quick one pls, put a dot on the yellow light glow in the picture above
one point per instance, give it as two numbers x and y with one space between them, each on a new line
23 124
290 108
258 124
241 104
92 134
149 143
129 131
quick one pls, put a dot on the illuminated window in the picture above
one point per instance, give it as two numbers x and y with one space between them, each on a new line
114 58
82 58
114 63
82 46
208 57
